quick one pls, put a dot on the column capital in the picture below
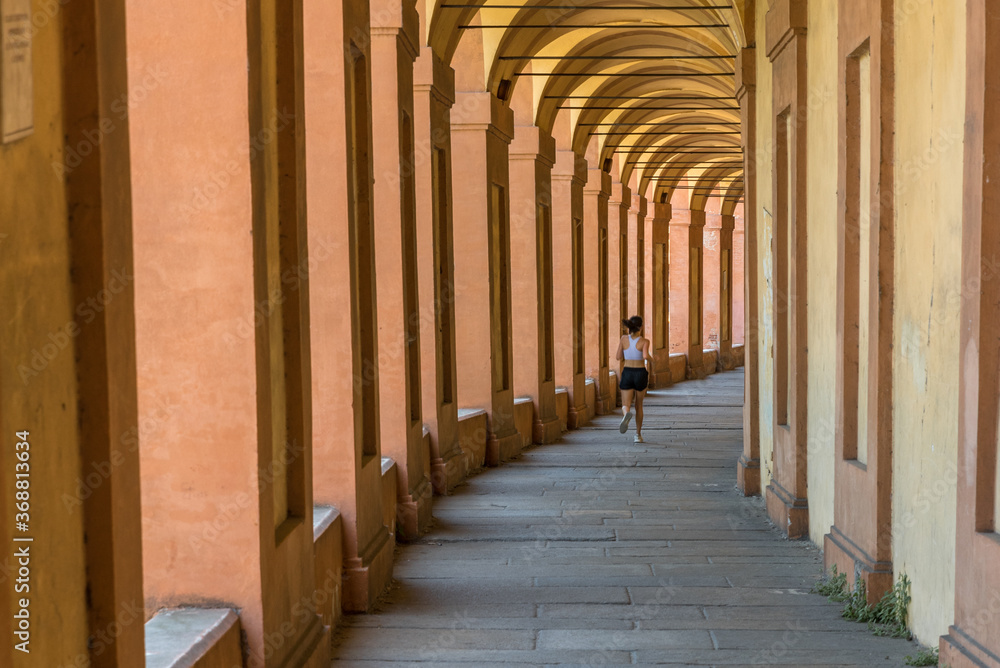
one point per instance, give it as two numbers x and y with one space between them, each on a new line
482 110
620 194
598 183
785 20
532 143
434 76
662 211
746 72
391 18
570 166
638 204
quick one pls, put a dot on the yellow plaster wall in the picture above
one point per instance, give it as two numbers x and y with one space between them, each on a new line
38 390
930 107
821 193
765 261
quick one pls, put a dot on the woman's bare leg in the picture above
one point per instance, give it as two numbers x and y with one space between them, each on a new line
627 396
639 396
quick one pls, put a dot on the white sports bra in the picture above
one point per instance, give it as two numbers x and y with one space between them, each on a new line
633 353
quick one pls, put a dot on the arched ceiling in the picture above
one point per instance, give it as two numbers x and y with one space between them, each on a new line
651 82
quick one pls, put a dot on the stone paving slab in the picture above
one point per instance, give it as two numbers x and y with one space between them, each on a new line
597 551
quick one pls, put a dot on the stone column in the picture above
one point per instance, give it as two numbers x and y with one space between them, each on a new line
595 249
658 291
480 135
972 640
568 261
680 224
726 279
696 296
532 154
618 262
787 502
712 273
748 468
68 401
739 279
434 94
227 495
860 541
345 321
637 258
394 47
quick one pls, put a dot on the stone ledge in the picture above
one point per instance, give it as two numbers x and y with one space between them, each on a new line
193 638
323 517
328 550
389 495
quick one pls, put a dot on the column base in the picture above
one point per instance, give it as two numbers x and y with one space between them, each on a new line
661 379
313 649
447 471
748 476
502 448
699 372
959 650
413 512
367 576
602 396
790 514
839 550
546 431
577 416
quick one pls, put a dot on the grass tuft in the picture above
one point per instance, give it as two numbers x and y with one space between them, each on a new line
925 657
888 617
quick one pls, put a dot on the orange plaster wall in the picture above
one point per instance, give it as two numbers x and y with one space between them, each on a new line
196 364
739 298
711 280
524 419
679 277
472 435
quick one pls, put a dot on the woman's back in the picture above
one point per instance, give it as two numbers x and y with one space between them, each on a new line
631 349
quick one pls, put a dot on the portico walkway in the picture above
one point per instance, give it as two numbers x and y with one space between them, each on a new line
596 551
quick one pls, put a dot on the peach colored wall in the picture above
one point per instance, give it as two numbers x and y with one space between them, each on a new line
712 240
595 219
636 241
344 476
739 280
532 154
680 221
178 162
434 93
568 178
394 48
197 337
480 132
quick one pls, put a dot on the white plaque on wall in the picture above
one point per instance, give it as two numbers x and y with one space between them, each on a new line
16 80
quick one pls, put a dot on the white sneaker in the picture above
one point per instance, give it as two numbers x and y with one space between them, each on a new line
638 439
623 427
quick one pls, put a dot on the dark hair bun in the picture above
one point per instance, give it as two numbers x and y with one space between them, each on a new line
633 324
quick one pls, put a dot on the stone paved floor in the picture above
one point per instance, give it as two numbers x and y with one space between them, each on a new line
596 551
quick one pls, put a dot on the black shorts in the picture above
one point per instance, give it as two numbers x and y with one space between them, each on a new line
634 378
